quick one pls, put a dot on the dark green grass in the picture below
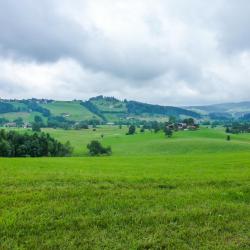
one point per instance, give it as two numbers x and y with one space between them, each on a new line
191 191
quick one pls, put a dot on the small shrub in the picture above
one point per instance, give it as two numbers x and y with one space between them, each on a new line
95 148
131 130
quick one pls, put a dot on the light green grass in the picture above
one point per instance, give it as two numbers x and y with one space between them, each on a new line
174 202
149 143
26 116
76 111
191 191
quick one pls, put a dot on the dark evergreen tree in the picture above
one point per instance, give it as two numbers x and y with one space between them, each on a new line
131 130
95 148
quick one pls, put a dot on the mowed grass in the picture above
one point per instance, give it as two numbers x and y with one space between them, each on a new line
191 191
26 116
205 140
75 110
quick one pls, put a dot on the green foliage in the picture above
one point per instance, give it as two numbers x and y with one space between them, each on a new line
6 108
140 108
168 132
131 130
81 125
189 121
237 127
33 105
36 127
3 121
94 109
13 144
95 149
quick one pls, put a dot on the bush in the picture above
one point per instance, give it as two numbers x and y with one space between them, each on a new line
95 148
131 130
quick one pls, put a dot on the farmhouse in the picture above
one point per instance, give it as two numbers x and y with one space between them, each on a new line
10 125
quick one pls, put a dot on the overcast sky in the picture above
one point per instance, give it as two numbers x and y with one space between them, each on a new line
173 52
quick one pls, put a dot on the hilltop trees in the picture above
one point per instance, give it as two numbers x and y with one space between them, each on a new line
13 144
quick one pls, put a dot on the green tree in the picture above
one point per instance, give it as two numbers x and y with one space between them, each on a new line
36 127
168 132
19 122
95 148
38 119
131 130
5 148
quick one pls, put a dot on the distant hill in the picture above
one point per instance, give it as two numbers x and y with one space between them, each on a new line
233 110
106 109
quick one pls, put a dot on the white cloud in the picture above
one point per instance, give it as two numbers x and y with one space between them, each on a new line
170 52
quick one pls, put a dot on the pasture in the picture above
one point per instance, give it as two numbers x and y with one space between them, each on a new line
190 191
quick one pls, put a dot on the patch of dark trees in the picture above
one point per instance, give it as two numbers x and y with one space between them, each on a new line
14 144
94 109
168 128
138 108
237 128
7 108
34 106
97 149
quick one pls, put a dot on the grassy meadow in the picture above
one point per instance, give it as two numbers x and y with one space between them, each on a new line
191 191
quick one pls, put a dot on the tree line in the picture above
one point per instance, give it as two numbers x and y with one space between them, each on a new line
14 144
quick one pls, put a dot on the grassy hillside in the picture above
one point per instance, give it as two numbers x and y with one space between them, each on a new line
183 142
187 192
235 109
71 110
107 109
26 116
114 110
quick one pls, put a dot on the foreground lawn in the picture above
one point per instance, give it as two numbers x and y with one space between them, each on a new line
187 201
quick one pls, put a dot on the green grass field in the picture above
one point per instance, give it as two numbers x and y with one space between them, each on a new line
26 116
74 110
191 191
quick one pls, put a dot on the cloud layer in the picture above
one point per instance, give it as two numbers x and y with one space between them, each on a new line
161 51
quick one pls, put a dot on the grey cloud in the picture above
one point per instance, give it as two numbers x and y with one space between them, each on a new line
35 30
175 46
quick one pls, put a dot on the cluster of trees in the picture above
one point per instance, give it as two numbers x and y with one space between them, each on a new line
13 144
59 122
92 107
167 127
96 149
3 121
34 106
221 116
6 108
237 128
142 108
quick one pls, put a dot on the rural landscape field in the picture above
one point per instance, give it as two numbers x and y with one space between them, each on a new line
190 191
124 125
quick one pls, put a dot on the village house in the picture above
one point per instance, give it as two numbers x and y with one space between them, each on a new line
10 125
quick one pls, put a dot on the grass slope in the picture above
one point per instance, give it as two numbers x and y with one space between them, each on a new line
26 116
75 111
141 144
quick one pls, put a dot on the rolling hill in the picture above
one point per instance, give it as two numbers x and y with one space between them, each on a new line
105 109
233 110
